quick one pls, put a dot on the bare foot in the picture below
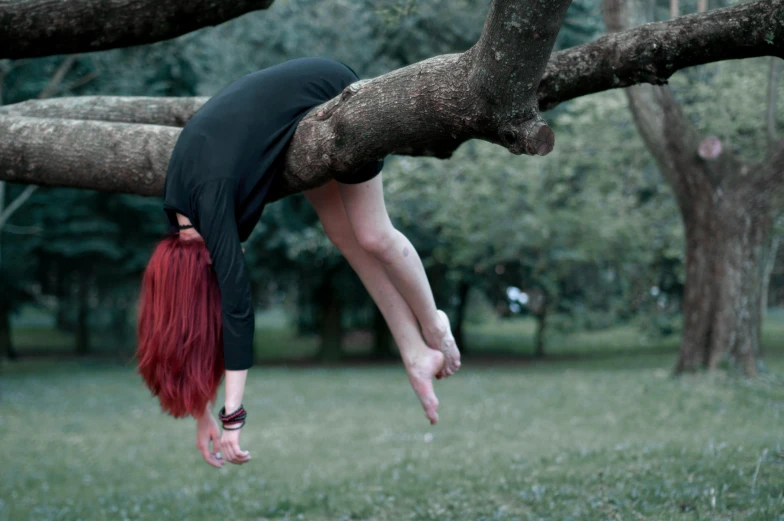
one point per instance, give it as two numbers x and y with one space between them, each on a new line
421 371
446 344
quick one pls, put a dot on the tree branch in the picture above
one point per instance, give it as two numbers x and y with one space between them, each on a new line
32 28
653 52
57 77
168 111
650 53
687 162
110 157
428 108
16 204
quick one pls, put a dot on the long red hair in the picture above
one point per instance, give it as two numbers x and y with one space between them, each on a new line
180 349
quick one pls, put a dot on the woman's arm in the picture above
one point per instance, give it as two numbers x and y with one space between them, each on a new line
235 388
214 204
230 440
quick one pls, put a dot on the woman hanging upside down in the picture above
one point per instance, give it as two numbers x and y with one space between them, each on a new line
196 319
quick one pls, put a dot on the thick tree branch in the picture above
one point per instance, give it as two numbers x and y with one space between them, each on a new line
653 52
31 28
428 108
110 157
649 53
528 34
168 111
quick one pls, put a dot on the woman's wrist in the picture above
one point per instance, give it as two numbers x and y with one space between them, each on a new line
230 407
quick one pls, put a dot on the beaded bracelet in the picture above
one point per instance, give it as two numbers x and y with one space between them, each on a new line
234 428
237 416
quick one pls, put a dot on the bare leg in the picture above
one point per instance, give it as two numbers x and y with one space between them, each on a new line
421 363
364 204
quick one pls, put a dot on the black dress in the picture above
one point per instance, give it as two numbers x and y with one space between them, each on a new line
224 163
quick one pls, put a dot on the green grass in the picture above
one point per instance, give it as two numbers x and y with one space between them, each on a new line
600 431
573 440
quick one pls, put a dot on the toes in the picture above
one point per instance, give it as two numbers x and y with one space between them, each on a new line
431 409
427 396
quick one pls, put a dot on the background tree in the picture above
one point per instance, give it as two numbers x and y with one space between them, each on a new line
728 205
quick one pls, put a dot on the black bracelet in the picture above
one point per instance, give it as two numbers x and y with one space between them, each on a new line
237 416
234 428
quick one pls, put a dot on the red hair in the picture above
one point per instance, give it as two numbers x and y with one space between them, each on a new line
179 327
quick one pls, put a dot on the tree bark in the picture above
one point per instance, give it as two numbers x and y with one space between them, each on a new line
653 52
727 209
32 28
428 108
650 53
167 111
767 273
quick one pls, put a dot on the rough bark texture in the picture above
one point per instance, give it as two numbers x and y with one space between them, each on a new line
727 209
110 157
31 28
651 53
168 111
428 108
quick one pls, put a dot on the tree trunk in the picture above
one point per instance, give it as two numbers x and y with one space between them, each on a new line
62 319
6 341
724 279
767 273
541 324
459 327
82 315
331 322
383 342
120 331
727 209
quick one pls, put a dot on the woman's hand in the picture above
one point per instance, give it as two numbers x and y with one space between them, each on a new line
230 442
206 432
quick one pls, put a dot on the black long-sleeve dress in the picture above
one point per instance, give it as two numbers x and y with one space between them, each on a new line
223 165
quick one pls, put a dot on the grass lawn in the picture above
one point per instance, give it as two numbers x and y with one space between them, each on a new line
611 437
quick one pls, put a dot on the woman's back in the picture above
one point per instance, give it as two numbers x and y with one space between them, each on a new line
241 133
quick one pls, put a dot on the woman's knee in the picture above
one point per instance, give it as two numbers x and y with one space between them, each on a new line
379 242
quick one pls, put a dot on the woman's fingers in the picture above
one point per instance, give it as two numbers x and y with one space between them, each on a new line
208 456
235 454
216 447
